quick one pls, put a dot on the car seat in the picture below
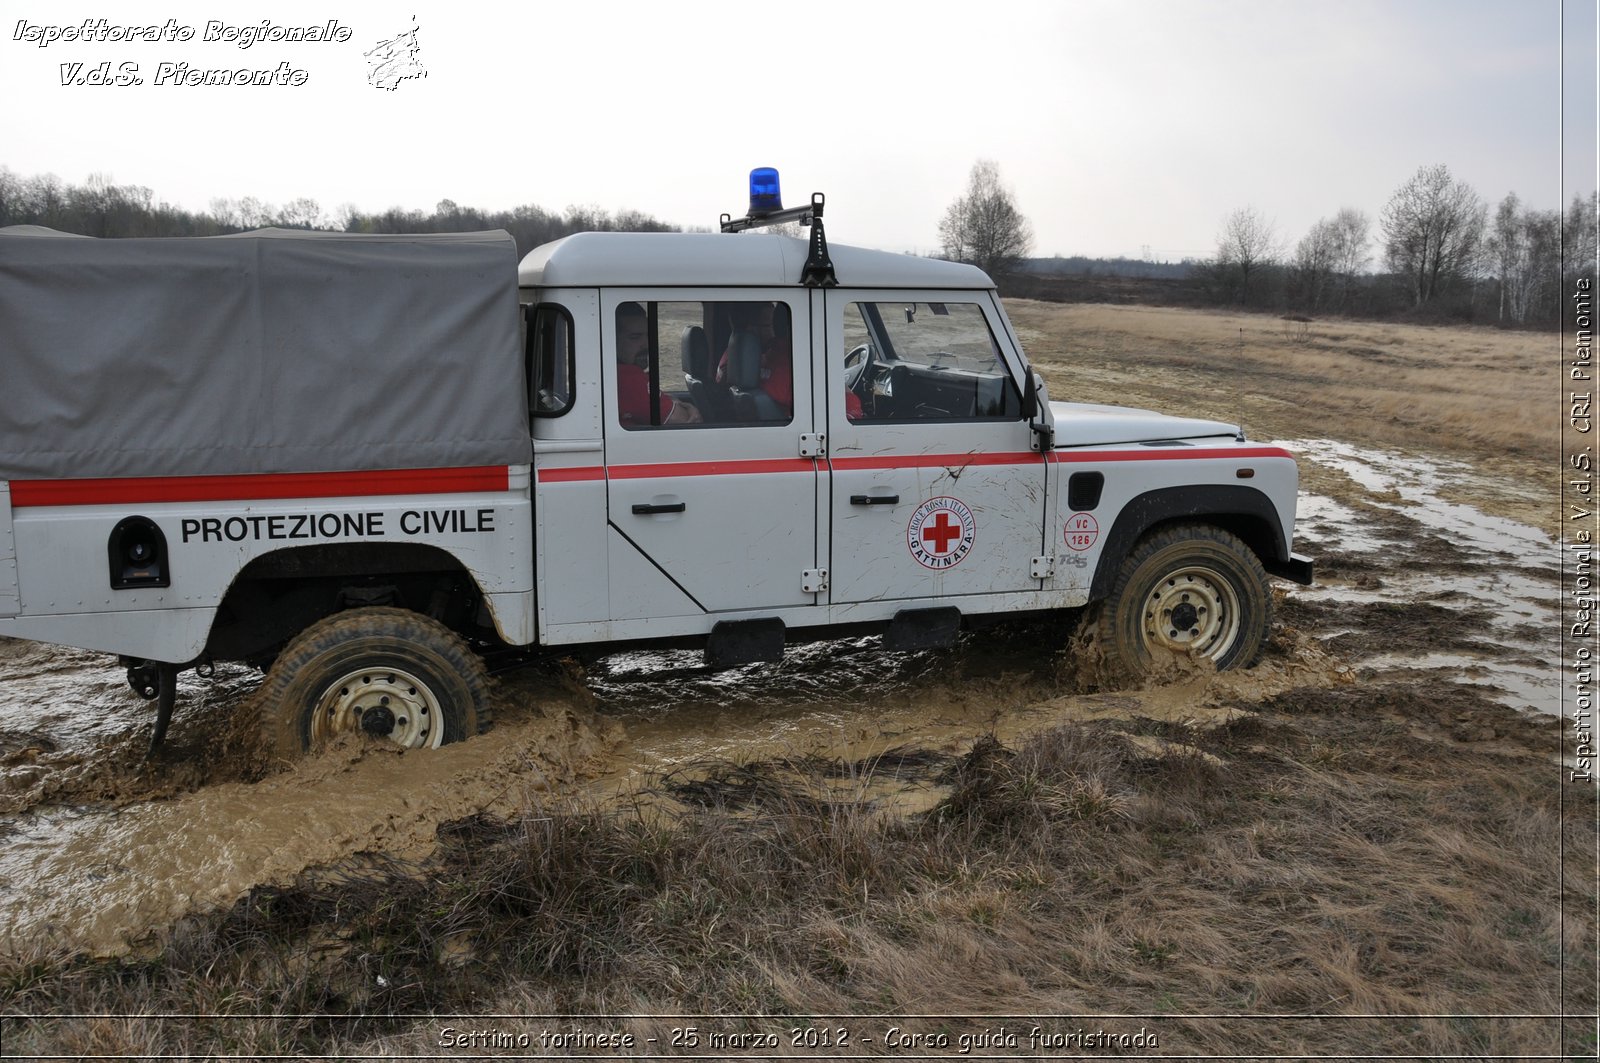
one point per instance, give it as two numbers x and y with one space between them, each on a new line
709 397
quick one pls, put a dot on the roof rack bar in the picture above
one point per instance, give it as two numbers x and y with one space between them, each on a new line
818 270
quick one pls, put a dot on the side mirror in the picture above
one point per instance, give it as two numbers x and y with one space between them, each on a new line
1044 435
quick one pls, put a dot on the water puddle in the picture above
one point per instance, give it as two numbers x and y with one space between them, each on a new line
1472 597
1417 486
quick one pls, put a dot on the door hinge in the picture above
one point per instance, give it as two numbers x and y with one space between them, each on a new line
813 444
813 580
1043 567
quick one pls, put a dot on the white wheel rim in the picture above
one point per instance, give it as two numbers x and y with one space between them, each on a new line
1192 610
385 702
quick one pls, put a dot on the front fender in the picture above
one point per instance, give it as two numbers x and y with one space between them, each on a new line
1245 511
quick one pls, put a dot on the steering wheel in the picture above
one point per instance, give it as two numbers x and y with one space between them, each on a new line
857 365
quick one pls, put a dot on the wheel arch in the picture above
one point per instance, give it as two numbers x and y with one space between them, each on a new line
280 593
1244 511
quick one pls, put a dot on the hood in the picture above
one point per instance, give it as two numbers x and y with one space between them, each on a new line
1081 424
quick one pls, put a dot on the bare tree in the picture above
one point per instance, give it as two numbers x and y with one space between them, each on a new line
1246 246
1432 228
983 226
226 212
1524 251
1314 263
254 214
93 202
1508 250
49 196
1579 238
1351 250
12 199
302 213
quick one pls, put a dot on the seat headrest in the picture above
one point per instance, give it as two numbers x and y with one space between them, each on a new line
696 353
744 361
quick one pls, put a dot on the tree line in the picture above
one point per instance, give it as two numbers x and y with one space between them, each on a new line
98 207
1435 253
1440 255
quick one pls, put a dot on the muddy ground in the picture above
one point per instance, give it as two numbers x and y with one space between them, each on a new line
1433 622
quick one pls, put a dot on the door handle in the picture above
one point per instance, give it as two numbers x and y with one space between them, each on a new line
874 500
642 508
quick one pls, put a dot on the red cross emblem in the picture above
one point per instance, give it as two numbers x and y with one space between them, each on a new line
941 532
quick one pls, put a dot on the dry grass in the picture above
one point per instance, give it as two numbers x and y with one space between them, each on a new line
1485 396
1073 875
1466 391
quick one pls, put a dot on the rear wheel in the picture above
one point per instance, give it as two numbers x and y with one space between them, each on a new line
393 674
1190 591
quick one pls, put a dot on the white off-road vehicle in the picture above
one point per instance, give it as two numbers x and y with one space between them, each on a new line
362 462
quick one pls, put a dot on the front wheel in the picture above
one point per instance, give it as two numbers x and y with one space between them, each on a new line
393 674
1190 591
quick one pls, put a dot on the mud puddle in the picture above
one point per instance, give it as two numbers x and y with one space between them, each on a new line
102 876
1413 584
878 725
881 729
71 730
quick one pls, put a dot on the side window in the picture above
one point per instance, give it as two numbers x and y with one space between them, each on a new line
924 362
547 342
683 364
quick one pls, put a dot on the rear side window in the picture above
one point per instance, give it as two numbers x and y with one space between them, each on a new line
704 364
550 359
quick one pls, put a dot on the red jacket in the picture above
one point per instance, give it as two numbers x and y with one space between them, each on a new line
633 396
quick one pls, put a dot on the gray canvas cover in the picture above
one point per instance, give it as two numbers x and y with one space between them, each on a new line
269 351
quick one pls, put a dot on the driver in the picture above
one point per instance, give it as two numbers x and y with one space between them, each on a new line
852 405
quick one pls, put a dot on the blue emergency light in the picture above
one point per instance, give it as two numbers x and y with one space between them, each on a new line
764 195
766 208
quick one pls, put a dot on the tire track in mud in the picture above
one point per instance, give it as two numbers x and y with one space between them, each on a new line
102 850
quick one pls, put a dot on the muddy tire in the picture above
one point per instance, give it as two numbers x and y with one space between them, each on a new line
392 673
1190 591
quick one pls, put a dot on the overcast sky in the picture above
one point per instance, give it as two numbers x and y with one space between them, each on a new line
1120 127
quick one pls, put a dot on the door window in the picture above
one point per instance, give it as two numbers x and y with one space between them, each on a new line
930 361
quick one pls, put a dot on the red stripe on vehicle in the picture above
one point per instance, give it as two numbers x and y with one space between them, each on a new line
1169 454
932 461
901 461
245 488
710 468
576 475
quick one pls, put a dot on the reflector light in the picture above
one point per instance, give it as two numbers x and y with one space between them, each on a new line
764 195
